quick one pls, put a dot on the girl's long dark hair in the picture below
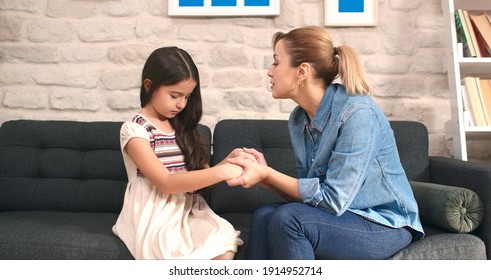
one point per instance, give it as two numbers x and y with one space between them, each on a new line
168 66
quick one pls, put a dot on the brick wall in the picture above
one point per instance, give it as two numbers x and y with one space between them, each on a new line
82 60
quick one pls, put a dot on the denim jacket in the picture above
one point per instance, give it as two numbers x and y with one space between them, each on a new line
347 159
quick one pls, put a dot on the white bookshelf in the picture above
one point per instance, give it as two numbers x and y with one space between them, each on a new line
459 67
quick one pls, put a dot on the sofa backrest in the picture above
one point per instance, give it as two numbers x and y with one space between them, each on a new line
63 166
412 145
271 137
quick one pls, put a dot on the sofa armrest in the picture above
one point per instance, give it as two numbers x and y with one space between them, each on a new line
470 175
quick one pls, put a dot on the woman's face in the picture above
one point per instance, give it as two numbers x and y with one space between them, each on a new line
283 76
169 100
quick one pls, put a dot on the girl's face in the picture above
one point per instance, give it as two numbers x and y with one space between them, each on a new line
283 76
168 100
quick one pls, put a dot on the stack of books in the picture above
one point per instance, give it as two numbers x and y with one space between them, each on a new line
476 95
474 32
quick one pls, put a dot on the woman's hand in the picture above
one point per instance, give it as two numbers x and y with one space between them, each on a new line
253 172
257 155
250 153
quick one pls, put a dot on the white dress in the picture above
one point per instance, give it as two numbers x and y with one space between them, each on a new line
154 225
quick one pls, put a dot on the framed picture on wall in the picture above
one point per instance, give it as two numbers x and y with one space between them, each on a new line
224 7
350 12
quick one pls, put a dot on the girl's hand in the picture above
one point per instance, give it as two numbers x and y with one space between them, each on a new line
254 172
232 171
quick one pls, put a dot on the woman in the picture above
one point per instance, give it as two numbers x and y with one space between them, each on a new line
351 199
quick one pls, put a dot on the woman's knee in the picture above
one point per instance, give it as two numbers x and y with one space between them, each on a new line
264 212
287 215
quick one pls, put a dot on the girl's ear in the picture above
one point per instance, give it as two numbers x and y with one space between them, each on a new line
147 84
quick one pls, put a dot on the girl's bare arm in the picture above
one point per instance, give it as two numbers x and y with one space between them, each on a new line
147 162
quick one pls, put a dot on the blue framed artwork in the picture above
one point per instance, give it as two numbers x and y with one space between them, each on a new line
350 12
224 7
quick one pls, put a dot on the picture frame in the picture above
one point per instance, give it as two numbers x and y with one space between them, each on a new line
350 13
224 8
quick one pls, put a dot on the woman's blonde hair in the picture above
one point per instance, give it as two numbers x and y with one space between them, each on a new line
314 45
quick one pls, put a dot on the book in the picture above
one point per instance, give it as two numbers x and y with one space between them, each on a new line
468 117
463 35
482 27
475 101
472 34
487 120
486 97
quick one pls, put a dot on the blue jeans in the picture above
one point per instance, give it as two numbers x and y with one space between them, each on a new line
300 231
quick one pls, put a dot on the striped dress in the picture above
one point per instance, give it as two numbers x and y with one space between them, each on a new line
154 225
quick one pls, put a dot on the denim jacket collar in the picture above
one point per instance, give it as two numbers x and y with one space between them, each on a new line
323 112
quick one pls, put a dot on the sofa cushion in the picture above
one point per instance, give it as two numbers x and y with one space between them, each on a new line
450 208
59 235
444 246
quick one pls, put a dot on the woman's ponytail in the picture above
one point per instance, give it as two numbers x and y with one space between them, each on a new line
350 71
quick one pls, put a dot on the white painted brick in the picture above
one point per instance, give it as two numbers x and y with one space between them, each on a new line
158 7
255 22
78 77
103 31
258 39
80 54
31 6
237 79
71 9
288 17
25 97
154 26
54 31
311 14
430 39
405 86
387 64
123 8
256 101
364 42
11 28
425 61
405 4
124 100
121 79
124 54
226 56
29 53
76 99
430 21
14 74
202 32
399 33
213 102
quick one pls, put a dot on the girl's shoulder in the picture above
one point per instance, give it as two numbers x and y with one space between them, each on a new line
137 126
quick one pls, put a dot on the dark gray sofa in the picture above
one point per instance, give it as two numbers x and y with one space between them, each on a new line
62 185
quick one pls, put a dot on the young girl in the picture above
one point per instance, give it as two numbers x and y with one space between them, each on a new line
351 199
162 216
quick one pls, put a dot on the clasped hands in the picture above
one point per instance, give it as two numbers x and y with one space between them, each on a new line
254 165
